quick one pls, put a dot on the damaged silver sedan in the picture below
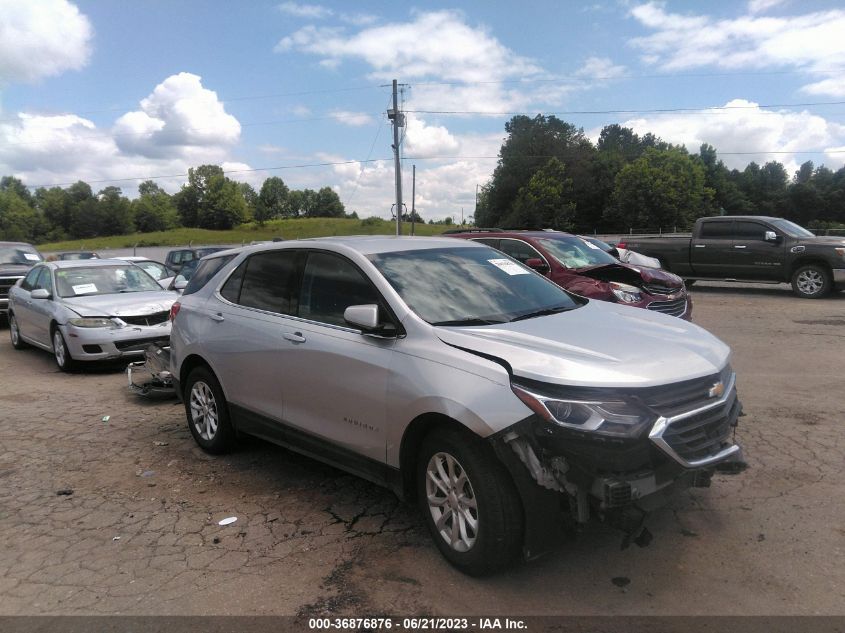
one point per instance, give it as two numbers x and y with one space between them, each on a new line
509 409
89 310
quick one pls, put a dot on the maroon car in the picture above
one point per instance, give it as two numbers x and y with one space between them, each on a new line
584 269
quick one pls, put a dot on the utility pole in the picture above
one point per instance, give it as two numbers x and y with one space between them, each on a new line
413 196
398 121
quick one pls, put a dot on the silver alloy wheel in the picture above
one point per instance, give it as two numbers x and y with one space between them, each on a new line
810 282
451 501
59 348
13 331
204 410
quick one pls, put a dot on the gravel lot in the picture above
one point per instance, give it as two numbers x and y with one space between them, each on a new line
139 533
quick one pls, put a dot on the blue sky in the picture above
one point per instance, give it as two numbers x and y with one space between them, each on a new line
112 92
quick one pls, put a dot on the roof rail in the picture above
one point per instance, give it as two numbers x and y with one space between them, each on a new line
471 231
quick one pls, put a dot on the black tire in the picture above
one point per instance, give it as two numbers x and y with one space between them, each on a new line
15 333
811 281
206 404
61 354
496 538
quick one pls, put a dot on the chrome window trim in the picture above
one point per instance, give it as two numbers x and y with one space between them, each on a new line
662 424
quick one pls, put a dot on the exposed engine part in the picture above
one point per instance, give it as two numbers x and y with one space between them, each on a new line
546 477
156 380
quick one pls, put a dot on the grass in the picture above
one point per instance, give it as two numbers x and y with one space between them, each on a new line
289 229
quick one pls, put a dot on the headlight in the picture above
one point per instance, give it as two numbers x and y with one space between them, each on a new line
614 417
92 322
625 293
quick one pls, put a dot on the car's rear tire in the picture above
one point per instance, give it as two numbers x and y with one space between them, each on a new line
469 502
811 281
208 412
61 354
15 333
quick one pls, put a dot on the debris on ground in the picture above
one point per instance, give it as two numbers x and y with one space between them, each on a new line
106 418
64 492
148 473
160 443
227 521
621 581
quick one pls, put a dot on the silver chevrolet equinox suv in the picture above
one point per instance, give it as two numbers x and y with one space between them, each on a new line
510 410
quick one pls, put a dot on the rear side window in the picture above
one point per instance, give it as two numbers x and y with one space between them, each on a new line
488 242
205 271
269 282
520 251
716 230
330 284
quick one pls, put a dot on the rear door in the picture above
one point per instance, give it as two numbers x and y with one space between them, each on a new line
711 250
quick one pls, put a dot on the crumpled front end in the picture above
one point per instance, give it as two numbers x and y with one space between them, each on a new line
652 443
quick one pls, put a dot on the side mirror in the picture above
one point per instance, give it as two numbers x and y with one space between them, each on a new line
537 264
363 316
613 252
180 284
39 293
770 236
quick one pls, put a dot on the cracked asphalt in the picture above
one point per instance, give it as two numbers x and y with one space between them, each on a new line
121 516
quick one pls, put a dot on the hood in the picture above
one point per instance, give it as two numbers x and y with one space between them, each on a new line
129 304
598 345
14 270
626 273
822 240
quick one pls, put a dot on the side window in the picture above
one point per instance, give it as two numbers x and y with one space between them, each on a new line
28 282
231 290
269 282
174 257
749 231
205 271
45 280
487 241
520 251
330 284
716 231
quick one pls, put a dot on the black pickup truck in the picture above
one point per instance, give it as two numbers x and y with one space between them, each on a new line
16 258
751 248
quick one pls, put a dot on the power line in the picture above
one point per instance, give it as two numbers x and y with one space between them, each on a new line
634 111
417 158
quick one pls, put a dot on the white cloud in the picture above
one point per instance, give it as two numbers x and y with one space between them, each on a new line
812 41
423 140
180 125
834 87
600 68
313 11
177 117
761 135
41 39
353 119
761 6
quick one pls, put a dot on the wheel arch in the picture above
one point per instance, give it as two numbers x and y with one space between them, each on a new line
191 362
810 260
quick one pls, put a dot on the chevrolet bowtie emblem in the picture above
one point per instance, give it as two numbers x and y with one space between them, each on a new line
716 390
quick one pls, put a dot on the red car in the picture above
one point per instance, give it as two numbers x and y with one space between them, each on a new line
584 269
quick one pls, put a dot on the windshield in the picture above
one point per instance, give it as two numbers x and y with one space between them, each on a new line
103 280
19 254
573 252
155 270
469 286
792 229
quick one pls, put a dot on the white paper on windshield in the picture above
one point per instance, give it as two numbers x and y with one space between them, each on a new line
84 289
591 245
32 257
511 268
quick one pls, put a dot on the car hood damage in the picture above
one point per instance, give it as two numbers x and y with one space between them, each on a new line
634 276
117 305
584 347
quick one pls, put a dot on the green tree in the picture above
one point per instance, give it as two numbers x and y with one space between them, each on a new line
251 199
223 206
154 209
16 186
662 188
273 200
54 205
546 201
327 204
115 212
19 222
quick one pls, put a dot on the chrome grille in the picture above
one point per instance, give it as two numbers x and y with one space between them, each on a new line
660 289
147 319
680 397
140 344
673 308
6 283
704 434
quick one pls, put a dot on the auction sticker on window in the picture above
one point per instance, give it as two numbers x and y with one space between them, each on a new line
32 257
511 268
84 289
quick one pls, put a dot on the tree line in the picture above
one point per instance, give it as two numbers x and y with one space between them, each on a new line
550 175
209 200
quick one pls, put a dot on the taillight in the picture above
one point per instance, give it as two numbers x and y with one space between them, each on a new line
174 310
621 245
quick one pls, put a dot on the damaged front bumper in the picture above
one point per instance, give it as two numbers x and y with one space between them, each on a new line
567 478
151 377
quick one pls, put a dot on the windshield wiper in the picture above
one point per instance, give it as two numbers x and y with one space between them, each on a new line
543 312
469 321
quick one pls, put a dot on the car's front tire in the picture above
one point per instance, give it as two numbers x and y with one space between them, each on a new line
811 281
208 412
61 354
469 502
15 333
